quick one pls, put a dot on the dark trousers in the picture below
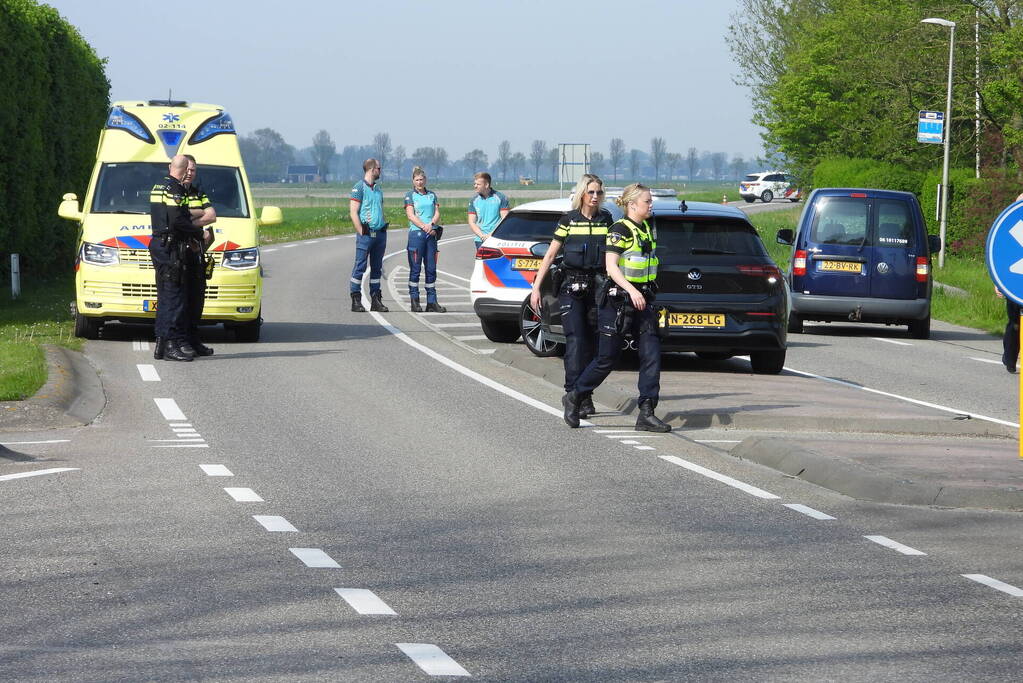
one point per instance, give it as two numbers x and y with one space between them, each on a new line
196 295
609 347
369 250
171 286
422 255
1010 340
578 315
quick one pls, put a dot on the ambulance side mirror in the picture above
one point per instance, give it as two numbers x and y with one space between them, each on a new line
69 208
271 215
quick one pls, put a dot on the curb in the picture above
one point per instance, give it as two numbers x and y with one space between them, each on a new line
867 483
72 396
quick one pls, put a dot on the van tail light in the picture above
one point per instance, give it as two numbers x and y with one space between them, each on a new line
761 270
799 262
486 253
923 269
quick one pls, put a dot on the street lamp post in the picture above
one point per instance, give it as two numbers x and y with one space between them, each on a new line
947 128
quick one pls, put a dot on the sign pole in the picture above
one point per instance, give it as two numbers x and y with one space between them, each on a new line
1020 396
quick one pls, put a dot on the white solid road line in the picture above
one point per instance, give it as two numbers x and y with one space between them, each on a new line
996 584
183 445
894 545
808 511
365 601
986 360
37 473
243 495
717 441
892 341
472 337
475 324
724 479
432 659
274 523
628 435
24 443
169 408
315 558
216 471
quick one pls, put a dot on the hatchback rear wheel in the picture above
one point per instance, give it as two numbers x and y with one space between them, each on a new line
533 335
767 362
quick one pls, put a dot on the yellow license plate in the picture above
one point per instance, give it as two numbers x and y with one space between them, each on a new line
526 264
841 266
149 305
696 319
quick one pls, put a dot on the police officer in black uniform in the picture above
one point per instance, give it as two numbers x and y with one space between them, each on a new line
203 215
580 236
168 248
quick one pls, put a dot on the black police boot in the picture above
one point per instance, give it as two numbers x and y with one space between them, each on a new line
571 403
172 352
376 303
187 349
201 349
415 307
159 347
586 407
357 306
647 421
435 308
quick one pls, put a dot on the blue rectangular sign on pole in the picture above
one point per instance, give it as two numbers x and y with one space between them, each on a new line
930 127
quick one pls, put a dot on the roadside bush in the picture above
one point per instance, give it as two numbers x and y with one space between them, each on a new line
973 205
848 172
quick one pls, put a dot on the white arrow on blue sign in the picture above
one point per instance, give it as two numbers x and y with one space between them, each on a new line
1004 252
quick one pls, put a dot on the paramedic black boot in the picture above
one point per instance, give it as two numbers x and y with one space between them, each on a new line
376 303
357 306
435 308
415 307
571 403
647 421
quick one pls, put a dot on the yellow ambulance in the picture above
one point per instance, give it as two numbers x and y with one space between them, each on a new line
114 276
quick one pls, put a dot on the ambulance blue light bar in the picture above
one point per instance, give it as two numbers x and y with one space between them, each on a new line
217 125
119 119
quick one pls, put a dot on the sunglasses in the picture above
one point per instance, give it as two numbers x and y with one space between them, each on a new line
595 193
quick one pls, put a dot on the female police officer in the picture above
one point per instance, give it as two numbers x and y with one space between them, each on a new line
580 234
631 264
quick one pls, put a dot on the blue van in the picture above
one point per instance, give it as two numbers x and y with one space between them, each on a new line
861 255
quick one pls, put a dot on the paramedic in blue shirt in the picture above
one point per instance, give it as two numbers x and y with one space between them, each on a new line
424 229
486 208
367 212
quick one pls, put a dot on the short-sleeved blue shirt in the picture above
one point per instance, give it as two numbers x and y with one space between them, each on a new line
488 210
371 207
425 206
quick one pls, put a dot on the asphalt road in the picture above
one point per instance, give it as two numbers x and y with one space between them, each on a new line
365 497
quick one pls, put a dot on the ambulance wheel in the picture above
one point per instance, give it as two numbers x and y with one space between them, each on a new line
248 333
533 335
86 327
501 331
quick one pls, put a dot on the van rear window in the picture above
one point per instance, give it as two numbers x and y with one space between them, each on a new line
125 188
840 220
894 225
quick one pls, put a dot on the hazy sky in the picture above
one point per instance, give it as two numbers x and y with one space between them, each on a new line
450 73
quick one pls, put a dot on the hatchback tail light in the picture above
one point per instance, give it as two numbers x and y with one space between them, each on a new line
762 270
799 262
486 253
923 268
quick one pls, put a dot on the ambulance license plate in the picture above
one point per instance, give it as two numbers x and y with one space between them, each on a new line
149 305
841 266
696 319
526 264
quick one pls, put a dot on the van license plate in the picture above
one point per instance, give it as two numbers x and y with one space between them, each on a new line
149 305
526 264
696 319
841 266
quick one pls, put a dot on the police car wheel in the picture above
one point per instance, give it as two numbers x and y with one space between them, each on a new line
767 197
533 335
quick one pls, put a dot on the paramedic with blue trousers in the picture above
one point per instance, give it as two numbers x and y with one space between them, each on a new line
486 208
580 238
424 230
366 209
626 307
173 233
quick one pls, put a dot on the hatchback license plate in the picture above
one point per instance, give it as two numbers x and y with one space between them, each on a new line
149 305
841 266
526 264
696 319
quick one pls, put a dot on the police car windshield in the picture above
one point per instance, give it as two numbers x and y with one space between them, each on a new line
679 239
125 188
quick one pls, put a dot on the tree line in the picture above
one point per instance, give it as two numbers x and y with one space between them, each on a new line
58 96
267 156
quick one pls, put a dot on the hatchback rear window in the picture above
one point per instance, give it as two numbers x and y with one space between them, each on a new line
753 177
840 220
528 226
679 239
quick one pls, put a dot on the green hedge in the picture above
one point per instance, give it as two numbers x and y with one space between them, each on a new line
846 172
58 98
973 205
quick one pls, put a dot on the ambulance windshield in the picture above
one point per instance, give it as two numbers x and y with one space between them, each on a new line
125 188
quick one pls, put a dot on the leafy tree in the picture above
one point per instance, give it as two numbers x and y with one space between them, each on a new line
399 157
518 162
615 154
718 162
475 161
738 165
674 160
537 155
504 158
432 159
596 163
382 148
266 154
658 148
554 161
324 152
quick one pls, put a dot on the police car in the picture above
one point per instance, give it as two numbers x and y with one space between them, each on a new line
767 185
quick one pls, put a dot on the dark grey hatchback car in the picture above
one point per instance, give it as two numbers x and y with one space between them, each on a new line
719 293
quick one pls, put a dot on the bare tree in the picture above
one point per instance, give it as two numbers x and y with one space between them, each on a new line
616 153
382 148
596 162
674 160
738 165
537 156
693 161
518 161
658 148
634 157
399 157
475 160
718 161
324 151
504 158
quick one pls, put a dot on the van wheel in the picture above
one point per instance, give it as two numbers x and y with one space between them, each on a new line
248 333
767 197
920 329
767 362
533 335
795 323
500 331
86 327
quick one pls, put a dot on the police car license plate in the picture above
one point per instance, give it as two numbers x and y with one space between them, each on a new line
696 319
149 305
841 266
526 264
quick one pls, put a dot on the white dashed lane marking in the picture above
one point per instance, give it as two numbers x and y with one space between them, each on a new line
37 473
274 523
892 341
986 360
139 345
808 511
364 601
216 471
724 479
645 448
894 545
243 495
996 584
169 408
432 659
314 557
